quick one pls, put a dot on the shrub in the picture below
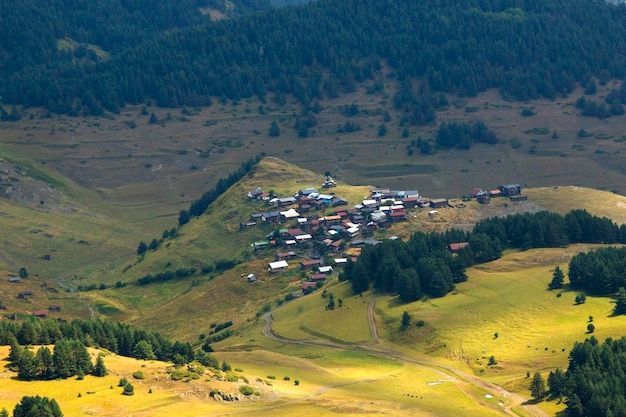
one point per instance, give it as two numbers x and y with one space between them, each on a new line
178 373
286 378
139 375
123 381
129 389
271 377
230 377
246 390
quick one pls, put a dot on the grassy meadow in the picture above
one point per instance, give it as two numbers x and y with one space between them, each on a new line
330 383
310 318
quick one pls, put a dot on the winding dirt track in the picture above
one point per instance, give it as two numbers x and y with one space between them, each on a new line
448 372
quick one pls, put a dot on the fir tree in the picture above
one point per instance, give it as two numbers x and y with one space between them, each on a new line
100 369
557 279
538 386
620 302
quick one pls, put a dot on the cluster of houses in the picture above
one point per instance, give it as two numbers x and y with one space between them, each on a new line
326 219
318 272
512 191
27 294
337 228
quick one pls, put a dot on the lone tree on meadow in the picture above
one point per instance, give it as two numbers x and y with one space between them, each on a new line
538 386
558 278
274 129
406 320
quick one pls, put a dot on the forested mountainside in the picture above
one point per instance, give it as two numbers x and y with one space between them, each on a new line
242 7
171 53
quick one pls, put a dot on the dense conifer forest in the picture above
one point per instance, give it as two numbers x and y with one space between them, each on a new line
116 337
172 54
601 272
593 384
424 266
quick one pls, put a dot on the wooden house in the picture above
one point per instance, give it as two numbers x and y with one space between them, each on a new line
510 189
438 203
40 314
310 264
278 266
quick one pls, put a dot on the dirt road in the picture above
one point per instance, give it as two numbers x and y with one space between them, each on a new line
448 372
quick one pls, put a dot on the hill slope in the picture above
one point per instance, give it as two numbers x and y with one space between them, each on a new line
222 295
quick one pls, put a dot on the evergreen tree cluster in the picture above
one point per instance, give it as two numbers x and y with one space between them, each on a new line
613 104
463 135
69 358
595 380
35 406
116 337
423 265
170 53
599 272
420 266
550 230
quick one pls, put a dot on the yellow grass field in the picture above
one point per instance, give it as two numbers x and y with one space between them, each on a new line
330 383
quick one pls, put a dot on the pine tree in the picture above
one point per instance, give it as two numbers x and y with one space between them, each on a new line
44 364
556 383
142 248
14 352
274 129
406 320
26 365
129 389
100 369
63 361
557 279
538 386
620 302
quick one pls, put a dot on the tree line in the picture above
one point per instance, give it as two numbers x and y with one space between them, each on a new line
69 358
599 272
170 54
594 383
199 206
423 265
116 337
